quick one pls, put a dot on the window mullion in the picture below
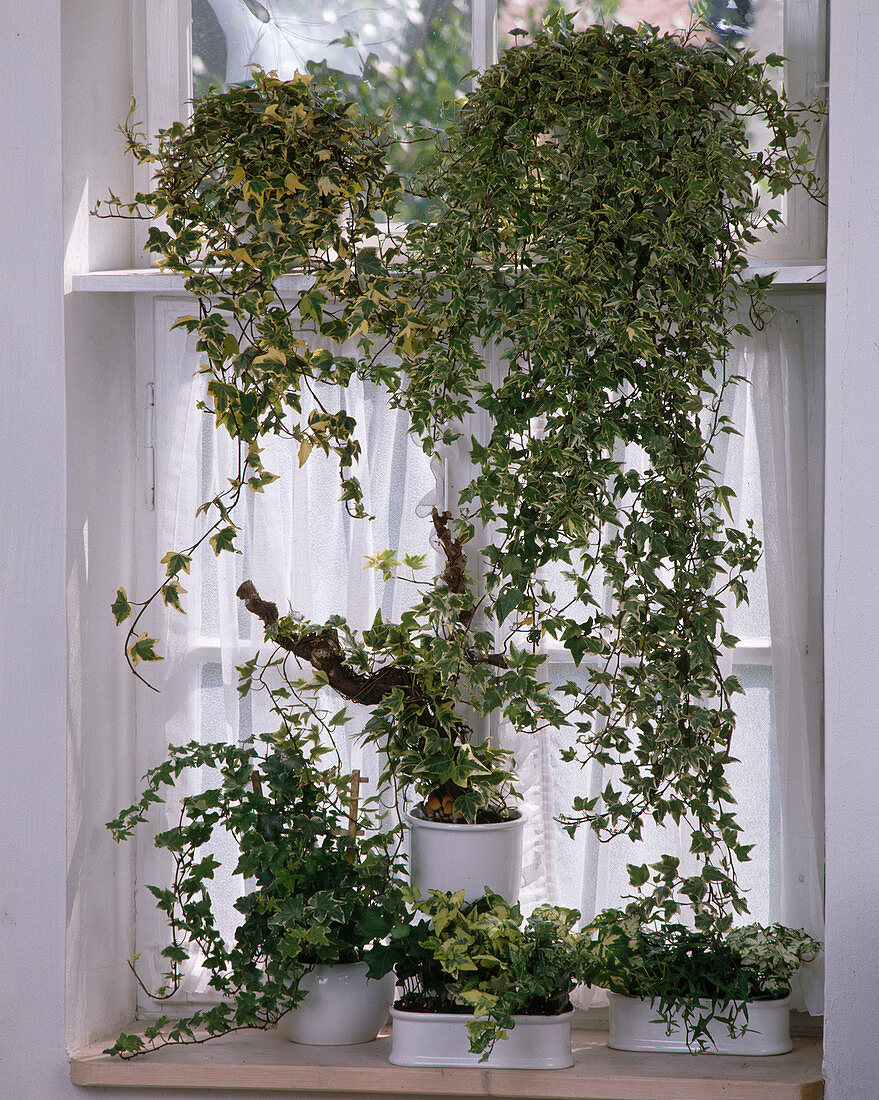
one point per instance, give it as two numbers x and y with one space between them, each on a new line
484 42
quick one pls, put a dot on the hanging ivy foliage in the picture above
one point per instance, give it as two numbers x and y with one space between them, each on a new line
594 204
269 179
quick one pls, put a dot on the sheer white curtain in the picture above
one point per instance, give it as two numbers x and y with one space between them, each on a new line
302 551
773 468
787 411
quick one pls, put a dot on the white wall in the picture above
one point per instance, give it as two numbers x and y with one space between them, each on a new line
851 619
33 665
66 425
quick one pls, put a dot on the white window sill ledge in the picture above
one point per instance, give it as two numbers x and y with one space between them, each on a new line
153 281
264 1062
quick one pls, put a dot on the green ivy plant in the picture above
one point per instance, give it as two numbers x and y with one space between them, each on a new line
322 871
280 176
594 202
693 976
482 959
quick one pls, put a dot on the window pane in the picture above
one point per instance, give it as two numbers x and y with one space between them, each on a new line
410 54
755 23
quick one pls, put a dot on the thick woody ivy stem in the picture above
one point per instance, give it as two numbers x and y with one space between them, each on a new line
454 573
456 561
324 654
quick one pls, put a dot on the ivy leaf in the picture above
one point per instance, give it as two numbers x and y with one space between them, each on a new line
638 875
575 641
384 561
171 593
305 449
258 483
242 256
469 804
224 539
271 355
143 649
508 599
310 306
121 608
176 563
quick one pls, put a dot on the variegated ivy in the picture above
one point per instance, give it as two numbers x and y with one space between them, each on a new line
693 976
268 179
484 957
594 203
593 207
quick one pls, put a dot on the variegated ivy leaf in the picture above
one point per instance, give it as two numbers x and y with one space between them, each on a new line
121 607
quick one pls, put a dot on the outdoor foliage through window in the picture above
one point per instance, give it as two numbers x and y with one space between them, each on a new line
412 56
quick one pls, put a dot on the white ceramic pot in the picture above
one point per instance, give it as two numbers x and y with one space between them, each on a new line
466 857
635 1025
342 1007
442 1039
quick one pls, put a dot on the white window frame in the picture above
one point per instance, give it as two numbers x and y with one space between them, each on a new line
162 36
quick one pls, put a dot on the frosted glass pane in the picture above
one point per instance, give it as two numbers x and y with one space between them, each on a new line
287 35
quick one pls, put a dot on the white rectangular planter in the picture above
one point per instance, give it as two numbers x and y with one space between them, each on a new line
442 1039
635 1025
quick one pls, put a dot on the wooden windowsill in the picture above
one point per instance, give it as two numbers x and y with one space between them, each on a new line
265 1062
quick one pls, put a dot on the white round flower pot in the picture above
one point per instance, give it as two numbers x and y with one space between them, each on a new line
635 1025
342 1006
466 857
442 1039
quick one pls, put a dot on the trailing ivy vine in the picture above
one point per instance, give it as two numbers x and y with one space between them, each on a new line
321 868
269 179
594 204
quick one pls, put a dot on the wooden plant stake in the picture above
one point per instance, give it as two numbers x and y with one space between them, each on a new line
353 807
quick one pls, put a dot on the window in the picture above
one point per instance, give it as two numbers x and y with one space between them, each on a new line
775 467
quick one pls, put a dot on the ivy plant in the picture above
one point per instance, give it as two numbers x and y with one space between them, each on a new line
264 180
693 976
483 960
418 677
592 207
594 202
321 871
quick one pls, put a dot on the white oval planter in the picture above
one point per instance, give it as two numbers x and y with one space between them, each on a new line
466 857
442 1039
342 1007
634 1025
